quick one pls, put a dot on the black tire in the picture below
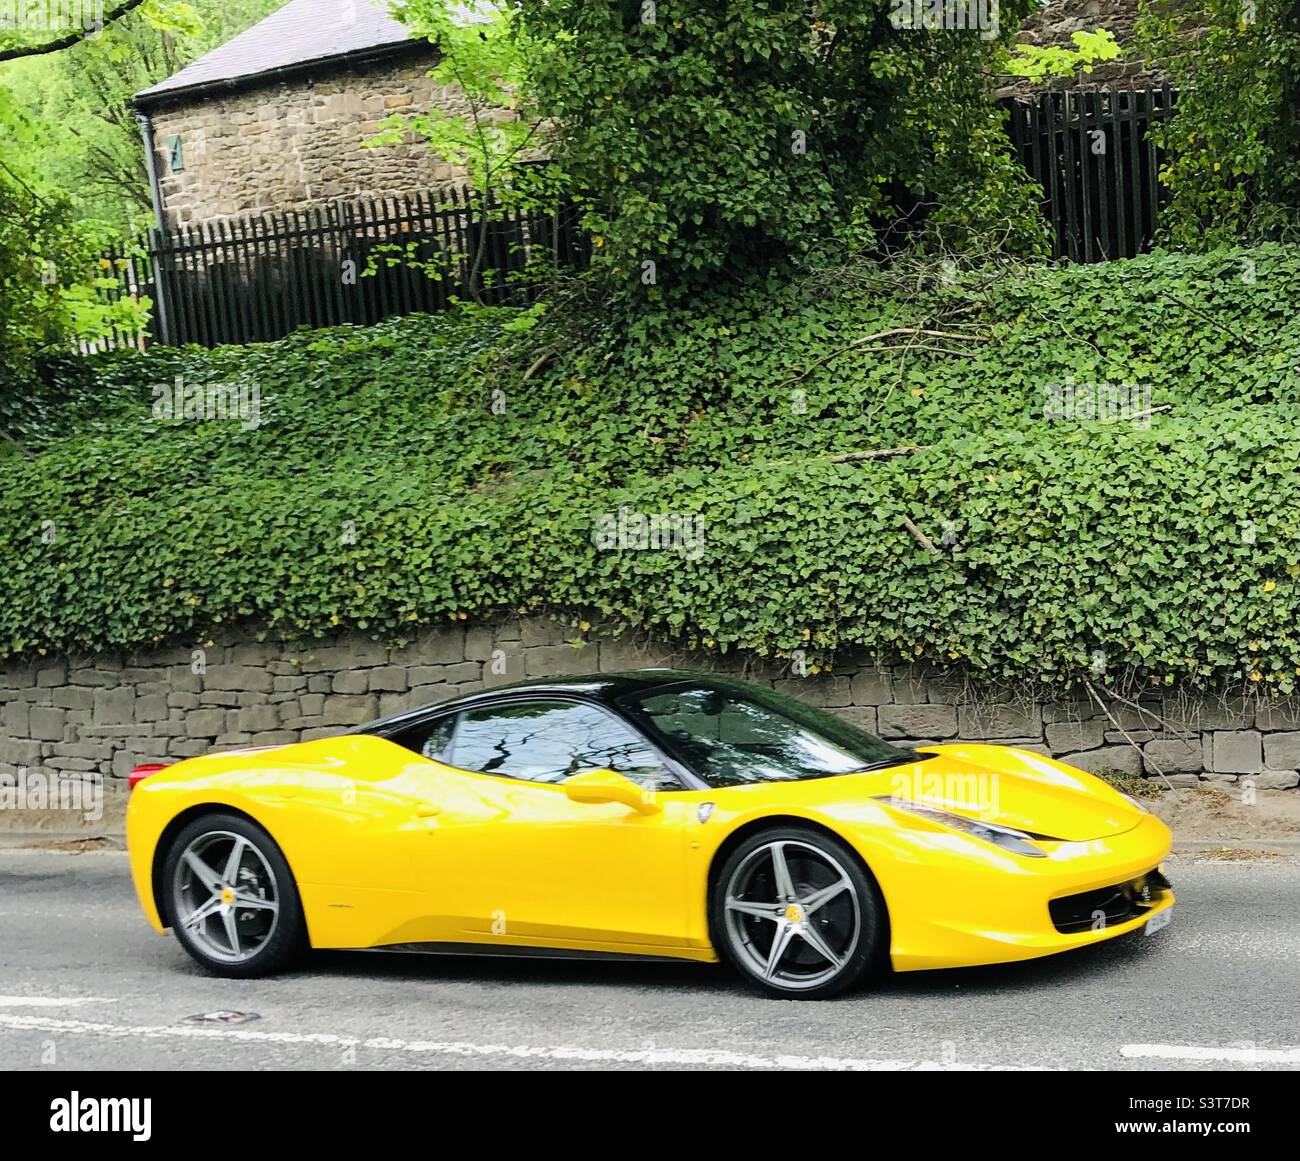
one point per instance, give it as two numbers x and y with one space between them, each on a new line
852 923
268 942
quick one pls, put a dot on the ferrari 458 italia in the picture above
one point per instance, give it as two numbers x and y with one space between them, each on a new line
655 813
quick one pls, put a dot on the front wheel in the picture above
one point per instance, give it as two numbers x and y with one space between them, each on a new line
231 897
796 912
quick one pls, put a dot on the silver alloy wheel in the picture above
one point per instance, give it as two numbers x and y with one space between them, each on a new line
224 896
792 914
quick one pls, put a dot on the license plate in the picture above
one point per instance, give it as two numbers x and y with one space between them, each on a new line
1157 921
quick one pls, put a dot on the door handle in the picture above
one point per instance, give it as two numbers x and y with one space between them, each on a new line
427 810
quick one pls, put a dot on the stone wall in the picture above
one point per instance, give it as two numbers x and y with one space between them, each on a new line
299 142
91 716
1058 20
1056 23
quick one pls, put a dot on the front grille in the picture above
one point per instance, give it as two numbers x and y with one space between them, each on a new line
1107 906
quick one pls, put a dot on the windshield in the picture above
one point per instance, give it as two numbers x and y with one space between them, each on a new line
733 733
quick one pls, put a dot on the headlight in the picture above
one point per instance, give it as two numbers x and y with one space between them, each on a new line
1135 803
1016 841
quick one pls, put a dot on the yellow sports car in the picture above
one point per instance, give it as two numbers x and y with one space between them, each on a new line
655 813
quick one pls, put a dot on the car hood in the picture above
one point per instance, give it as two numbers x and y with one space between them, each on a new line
1015 788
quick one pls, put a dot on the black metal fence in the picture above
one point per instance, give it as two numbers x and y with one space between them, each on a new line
260 277
1094 157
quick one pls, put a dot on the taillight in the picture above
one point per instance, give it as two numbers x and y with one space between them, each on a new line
142 772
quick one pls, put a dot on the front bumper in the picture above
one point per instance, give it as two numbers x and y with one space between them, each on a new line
1111 905
955 902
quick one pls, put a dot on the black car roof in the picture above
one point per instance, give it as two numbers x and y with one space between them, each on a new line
601 687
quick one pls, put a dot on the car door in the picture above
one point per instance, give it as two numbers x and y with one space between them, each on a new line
512 860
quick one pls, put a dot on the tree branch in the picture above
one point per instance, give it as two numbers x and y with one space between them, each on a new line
22 447
72 38
1114 721
859 344
921 538
877 454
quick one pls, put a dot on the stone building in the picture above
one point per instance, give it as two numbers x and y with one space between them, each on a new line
278 117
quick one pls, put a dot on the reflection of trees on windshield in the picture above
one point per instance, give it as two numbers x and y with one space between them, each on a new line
550 741
731 738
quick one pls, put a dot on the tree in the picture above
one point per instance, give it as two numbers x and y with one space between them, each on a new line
79 132
72 173
486 134
73 33
50 269
1232 146
709 137
49 285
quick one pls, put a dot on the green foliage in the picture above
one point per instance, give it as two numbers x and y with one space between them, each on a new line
1171 545
68 117
38 400
1038 62
485 60
49 281
705 137
1233 144
72 180
482 56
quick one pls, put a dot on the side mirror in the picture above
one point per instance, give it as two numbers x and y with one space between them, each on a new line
595 786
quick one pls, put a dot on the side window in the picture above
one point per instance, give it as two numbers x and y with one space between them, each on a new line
547 741
438 741
430 740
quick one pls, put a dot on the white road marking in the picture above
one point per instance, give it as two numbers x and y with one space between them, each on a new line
1202 1052
51 1001
706 1057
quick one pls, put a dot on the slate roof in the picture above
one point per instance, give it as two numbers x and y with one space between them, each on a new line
299 36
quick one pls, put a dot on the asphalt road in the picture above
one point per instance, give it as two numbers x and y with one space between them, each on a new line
84 984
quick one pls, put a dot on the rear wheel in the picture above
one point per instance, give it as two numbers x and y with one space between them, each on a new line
231 898
795 911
